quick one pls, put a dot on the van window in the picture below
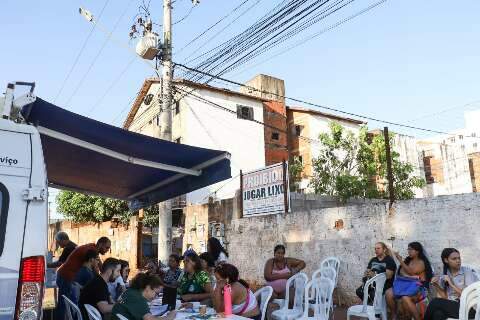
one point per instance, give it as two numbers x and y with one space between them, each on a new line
4 202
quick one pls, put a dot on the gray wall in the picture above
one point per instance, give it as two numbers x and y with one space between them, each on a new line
310 234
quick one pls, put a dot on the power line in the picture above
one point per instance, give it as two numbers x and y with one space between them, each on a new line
186 16
317 105
111 86
211 27
221 30
77 58
90 67
124 108
315 35
202 99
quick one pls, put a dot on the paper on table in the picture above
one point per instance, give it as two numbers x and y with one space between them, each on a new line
157 310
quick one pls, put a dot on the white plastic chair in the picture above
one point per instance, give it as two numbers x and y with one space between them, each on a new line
322 290
470 298
299 281
93 313
379 304
72 309
264 295
119 316
333 262
326 272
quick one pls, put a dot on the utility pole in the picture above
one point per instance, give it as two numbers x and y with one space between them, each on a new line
165 208
389 166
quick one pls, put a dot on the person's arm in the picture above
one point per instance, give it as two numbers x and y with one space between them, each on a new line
269 276
218 297
296 265
199 296
439 289
55 264
169 316
410 270
104 307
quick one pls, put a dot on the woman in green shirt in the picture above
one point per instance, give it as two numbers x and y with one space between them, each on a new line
195 285
133 304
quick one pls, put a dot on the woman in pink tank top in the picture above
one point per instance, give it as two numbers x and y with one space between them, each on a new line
279 269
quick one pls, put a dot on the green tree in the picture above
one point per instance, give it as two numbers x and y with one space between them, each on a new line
79 207
355 166
295 168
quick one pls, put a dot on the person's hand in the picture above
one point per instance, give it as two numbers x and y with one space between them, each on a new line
398 256
435 281
188 297
171 315
186 305
447 279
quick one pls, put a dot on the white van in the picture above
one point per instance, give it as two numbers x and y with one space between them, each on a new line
40 141
23 221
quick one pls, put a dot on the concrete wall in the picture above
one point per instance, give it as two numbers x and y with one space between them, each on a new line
124 238
311 235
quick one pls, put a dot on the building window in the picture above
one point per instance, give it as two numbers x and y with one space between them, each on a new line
300 158
244 112
475 145
298 130
452 139
474 134
178 140
148 99
275 136
157 120
177 107
460 137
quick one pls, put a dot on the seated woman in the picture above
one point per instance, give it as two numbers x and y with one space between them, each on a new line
208 266
195 283
279 269
244 302
381 263
416 265
217 251
449 287
133 304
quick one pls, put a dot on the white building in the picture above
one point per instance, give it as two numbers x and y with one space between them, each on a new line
208 117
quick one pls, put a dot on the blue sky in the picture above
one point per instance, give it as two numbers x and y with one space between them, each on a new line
403 60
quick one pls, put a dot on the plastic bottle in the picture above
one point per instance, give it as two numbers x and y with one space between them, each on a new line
227 299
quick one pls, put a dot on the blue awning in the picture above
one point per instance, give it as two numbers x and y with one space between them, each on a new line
88 156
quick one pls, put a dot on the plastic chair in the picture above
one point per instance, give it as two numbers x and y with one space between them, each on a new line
264 295
120 317
322 289
72 309
93 313
299 281
326 272
379 304
333 262
470 298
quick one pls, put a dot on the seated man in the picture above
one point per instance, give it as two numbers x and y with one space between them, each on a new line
95 293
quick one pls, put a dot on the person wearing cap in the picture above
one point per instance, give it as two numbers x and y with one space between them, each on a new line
63 241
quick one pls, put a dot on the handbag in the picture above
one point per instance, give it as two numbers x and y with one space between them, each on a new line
405 286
